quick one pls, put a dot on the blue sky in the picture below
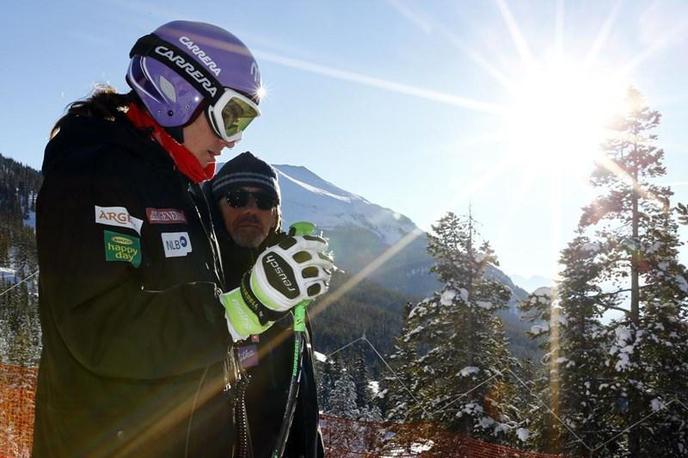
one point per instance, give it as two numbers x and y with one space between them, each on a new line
412 104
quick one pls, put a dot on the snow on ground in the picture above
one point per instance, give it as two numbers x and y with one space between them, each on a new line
30 220
8 276
422 447
320 357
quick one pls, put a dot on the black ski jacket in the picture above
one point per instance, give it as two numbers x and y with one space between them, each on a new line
134 337
268 359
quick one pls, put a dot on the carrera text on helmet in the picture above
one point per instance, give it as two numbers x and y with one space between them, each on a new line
202 55
188 67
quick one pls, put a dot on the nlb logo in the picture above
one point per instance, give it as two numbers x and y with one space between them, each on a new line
176 244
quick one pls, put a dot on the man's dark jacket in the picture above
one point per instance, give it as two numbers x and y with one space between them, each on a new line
134 337
267 390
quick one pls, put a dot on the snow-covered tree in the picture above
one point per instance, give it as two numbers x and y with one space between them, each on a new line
343 397
459 371
328 371
396 398
629 371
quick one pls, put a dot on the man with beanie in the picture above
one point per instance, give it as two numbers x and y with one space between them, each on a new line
247 219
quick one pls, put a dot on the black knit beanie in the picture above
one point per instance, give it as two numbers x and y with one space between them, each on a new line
246 170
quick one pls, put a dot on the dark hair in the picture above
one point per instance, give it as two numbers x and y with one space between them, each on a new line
103 102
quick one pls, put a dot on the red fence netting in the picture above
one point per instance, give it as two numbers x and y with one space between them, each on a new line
353 438
17 390
342 437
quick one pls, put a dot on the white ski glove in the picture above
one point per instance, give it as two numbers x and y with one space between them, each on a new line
284 275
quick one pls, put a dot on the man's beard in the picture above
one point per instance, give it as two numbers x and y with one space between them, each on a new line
248 236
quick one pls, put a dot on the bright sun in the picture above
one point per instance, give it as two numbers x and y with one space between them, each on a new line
559 113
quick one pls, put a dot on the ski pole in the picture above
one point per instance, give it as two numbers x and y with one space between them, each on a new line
299 327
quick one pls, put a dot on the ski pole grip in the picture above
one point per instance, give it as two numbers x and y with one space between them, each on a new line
301 228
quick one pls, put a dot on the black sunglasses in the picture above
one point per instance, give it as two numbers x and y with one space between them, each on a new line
239 198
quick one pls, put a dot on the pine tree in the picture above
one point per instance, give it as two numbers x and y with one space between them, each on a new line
614 375
368 409
397 398
541 310
460 371
19 323
343 396
327 376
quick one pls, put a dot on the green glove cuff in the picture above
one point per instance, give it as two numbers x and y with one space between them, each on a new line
241 320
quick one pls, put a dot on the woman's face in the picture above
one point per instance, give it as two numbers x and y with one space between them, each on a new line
200 139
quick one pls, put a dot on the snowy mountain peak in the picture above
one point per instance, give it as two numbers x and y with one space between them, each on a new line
305 177
308 197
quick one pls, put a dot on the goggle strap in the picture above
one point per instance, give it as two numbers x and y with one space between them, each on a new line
176 59
213 122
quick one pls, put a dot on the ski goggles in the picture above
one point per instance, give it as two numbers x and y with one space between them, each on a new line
231 114
239 198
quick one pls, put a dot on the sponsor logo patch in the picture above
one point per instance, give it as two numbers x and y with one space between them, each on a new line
122 247
248 355
117 216
165 216
176 244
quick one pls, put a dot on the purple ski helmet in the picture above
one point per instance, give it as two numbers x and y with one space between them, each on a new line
183 63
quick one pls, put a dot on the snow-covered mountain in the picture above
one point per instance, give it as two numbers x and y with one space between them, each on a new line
308 197
532 283
359 231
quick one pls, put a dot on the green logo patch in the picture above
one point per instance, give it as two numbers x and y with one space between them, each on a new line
121 247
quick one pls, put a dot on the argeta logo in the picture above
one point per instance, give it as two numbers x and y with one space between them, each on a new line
117 216
176 244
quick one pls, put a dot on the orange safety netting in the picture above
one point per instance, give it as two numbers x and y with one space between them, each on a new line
342 437
353 438
17 390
